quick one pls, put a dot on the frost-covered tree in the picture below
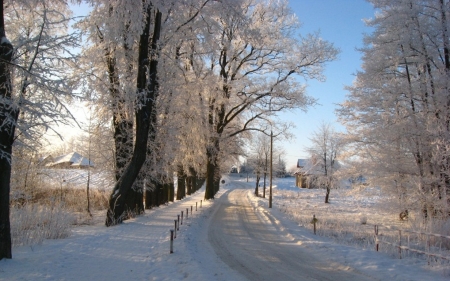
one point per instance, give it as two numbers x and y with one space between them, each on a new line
36 82
256 61
398 110
125 81
326 147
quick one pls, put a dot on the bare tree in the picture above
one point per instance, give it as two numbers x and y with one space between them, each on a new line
325 149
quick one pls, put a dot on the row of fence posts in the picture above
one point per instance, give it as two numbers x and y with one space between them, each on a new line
426 251
399 246
178 222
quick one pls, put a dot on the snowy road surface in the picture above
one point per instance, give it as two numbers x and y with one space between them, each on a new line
260 251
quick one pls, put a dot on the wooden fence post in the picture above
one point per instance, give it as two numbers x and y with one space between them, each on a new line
175 232
171 241
376 237
187 213
196 206
178 225
313 221
181 217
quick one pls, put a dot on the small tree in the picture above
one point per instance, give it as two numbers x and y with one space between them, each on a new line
326 148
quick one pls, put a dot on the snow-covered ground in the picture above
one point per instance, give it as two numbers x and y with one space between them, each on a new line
139 248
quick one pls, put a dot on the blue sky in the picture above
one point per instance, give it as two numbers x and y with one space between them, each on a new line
340 22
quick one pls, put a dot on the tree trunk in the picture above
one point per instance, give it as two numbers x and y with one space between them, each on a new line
257 184
166 191
193 174
200 182
8 119
143 114
191 181
135 198
148 197
327 195
134 203
210 171
123 142
189 186
5 228
181 188
171 190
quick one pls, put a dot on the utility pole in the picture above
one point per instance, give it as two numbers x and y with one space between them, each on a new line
271 168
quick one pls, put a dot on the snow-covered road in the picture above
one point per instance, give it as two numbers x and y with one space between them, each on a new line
262 251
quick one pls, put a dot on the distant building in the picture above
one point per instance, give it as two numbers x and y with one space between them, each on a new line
308 171
72 160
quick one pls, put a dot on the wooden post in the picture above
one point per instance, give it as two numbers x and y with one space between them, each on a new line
178 225
201 203
196 206
408 244
191 210
271 171
187 213
376 237
314 222
181 217
175 232
171 241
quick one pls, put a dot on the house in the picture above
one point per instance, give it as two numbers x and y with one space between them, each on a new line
72 160
308 171
302 173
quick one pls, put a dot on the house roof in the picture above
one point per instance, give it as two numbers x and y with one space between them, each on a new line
74 159
312 167
307 166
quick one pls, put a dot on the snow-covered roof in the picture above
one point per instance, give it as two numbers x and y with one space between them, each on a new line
74 159
312 167
307 166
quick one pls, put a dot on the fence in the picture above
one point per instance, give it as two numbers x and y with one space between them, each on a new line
178 222
428 244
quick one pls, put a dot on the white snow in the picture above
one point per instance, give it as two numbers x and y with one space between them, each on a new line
138 249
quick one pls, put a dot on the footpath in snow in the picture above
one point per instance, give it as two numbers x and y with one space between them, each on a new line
138 249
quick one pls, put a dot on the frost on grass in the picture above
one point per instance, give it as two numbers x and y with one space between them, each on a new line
31 224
